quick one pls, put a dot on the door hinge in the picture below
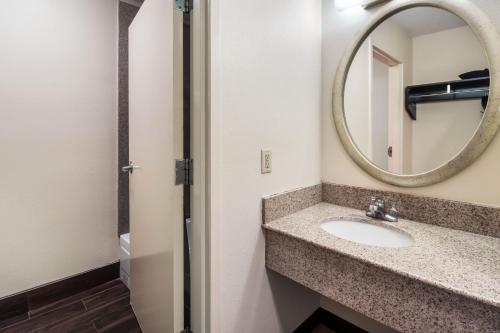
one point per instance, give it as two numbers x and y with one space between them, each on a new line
184 172
184 6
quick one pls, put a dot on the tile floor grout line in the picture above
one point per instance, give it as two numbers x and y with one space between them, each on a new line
93 310
102 291
41 313
115 323
13 324
42 327
76 300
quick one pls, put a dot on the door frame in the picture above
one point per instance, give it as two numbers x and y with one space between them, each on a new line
200 222
395 110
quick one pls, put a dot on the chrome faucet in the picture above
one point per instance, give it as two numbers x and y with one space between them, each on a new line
377 210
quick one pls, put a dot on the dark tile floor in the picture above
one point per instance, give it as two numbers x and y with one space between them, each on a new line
322 329
105 308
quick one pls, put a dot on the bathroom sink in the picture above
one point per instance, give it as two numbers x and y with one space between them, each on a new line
363 232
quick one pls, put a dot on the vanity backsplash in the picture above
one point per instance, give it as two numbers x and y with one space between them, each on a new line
478 219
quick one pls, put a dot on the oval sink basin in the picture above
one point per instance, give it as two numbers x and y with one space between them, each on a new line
367 233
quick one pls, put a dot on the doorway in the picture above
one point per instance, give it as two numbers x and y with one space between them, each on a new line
386 112
168 266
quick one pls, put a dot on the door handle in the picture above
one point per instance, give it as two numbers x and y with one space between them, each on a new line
130 168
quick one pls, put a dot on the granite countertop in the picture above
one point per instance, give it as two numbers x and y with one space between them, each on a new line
460 262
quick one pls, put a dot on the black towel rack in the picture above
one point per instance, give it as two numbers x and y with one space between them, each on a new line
446 91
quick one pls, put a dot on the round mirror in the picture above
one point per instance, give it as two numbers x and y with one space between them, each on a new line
414 99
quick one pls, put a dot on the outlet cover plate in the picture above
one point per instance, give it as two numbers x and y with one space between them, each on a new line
266 161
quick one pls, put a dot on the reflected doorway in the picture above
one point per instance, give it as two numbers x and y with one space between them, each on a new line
386 111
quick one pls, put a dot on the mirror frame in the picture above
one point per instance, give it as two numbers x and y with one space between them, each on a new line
489 38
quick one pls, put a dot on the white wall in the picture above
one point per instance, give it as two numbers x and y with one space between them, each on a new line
358 99
479 183
265 93
393 40
57 139
442 129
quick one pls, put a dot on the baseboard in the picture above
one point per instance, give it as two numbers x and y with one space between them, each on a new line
29 300
321 316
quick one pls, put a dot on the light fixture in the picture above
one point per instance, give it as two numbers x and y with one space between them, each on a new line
344 4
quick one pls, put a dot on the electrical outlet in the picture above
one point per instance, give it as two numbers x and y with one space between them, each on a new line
266 161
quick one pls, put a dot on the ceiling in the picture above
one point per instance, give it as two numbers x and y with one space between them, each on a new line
426 20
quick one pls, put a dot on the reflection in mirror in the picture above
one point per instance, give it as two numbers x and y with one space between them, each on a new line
416 90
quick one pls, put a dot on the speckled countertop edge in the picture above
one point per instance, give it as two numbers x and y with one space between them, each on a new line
457 261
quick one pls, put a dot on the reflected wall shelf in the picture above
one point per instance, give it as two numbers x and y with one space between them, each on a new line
477 88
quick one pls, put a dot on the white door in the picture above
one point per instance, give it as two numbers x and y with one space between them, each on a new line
395 118
155 120
387 111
